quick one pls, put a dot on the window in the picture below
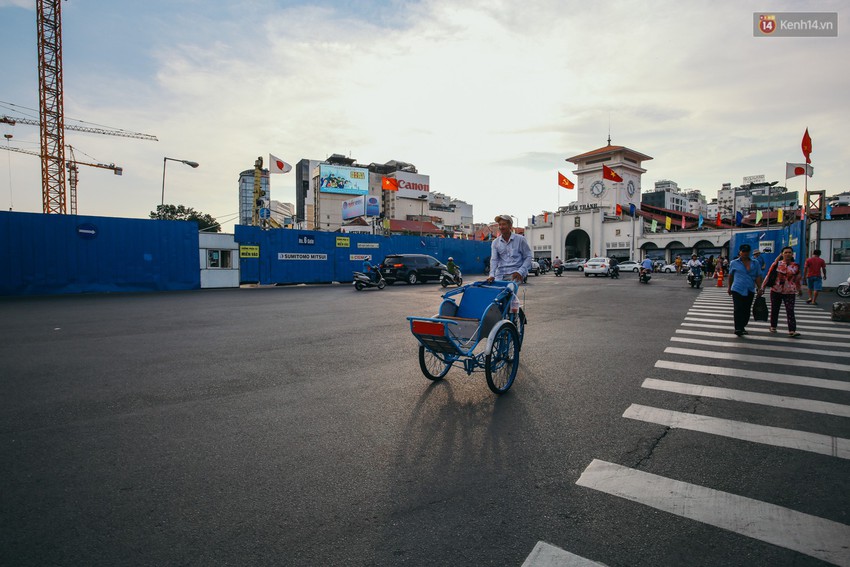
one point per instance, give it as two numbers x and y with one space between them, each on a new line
542 237
841 250
218 258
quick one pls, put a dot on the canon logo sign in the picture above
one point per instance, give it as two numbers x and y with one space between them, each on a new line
402 184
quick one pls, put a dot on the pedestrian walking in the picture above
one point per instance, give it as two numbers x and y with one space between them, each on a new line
709 266
744 279
814 267
786 279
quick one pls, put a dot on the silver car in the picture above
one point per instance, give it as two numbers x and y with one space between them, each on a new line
597 267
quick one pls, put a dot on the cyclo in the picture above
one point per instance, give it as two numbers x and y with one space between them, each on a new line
468 316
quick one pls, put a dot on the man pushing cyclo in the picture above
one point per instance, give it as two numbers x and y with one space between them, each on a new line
510 254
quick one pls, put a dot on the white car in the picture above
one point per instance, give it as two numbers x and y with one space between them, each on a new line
629 266
597 266
669 268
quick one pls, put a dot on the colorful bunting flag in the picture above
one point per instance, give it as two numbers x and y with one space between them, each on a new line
668 223
619 210
654 226
779 215
632 210
700 221
739 218
758 217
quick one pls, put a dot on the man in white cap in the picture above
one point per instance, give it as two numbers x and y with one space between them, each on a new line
510 254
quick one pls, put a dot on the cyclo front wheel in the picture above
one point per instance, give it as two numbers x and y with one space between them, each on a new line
434 365
502 362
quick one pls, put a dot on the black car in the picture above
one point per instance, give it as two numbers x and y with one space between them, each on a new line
411 268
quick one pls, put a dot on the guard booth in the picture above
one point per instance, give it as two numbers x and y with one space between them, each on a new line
219 258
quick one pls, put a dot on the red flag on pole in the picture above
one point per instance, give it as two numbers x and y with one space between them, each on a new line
619 210
610 174
807 146
717 222
389 184
683 221
564 182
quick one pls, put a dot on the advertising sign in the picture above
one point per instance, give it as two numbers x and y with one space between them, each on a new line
306 239
368 244
412 185
300 256
353 208
373 208
343 242
249 251
344 180
359 257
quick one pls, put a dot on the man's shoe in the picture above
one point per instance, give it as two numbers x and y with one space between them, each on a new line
745 332
739 333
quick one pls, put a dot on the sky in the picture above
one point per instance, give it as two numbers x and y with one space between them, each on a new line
488 98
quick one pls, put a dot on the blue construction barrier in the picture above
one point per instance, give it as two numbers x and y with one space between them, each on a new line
772 241
52 254
287 256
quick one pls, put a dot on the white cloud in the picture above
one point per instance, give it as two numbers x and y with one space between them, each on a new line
486 98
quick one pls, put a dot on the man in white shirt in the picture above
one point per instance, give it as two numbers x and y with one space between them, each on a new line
510 254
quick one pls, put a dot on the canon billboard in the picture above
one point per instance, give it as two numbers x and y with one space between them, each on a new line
412 185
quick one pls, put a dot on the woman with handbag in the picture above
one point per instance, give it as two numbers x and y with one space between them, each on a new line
784 280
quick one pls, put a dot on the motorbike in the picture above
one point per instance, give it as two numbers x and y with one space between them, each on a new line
843 290
559 270
644 276
695 277
614 272
447 279
362 281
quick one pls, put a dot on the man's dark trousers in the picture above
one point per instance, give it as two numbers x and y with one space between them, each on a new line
742 307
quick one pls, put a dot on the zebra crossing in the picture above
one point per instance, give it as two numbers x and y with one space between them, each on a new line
704 346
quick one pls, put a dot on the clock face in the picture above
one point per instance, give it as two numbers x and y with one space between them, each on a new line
597 188
630 188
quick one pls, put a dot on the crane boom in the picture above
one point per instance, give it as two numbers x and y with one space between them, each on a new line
73 171
12 120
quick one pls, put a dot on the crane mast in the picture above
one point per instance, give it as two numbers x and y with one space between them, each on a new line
51 105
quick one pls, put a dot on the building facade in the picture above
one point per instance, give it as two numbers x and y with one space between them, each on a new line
246 194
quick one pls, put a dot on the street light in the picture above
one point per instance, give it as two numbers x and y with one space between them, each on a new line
192 164
422 199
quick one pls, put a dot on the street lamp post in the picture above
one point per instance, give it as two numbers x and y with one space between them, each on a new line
192 164
422 199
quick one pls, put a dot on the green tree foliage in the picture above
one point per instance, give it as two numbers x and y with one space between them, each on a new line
206 222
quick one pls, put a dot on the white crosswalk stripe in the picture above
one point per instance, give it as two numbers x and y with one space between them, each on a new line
705 350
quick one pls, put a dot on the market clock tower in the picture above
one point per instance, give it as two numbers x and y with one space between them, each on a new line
605 194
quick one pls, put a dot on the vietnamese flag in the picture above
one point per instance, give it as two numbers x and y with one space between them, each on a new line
717 222
807 146
610 174
564 182
389 184
619 210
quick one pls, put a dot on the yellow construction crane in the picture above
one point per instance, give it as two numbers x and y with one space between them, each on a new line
12 120
73 171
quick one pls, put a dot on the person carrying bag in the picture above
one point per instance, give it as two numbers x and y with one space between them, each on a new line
785 283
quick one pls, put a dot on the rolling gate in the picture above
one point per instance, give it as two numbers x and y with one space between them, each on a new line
285 256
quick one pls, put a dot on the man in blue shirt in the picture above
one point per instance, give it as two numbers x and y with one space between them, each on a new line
744 279
510 254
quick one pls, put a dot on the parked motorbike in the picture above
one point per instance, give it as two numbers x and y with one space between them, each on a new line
644 276
695 277
362 281
447 279
843 290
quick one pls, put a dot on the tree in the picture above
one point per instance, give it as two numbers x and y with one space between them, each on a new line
206 222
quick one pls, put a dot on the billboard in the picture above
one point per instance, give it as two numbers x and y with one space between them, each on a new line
353 208
345 180
412 185
373 207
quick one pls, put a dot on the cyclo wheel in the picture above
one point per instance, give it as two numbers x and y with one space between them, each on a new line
434 365
519 322
502 362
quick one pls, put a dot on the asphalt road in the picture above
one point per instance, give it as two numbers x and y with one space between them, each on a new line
292 426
